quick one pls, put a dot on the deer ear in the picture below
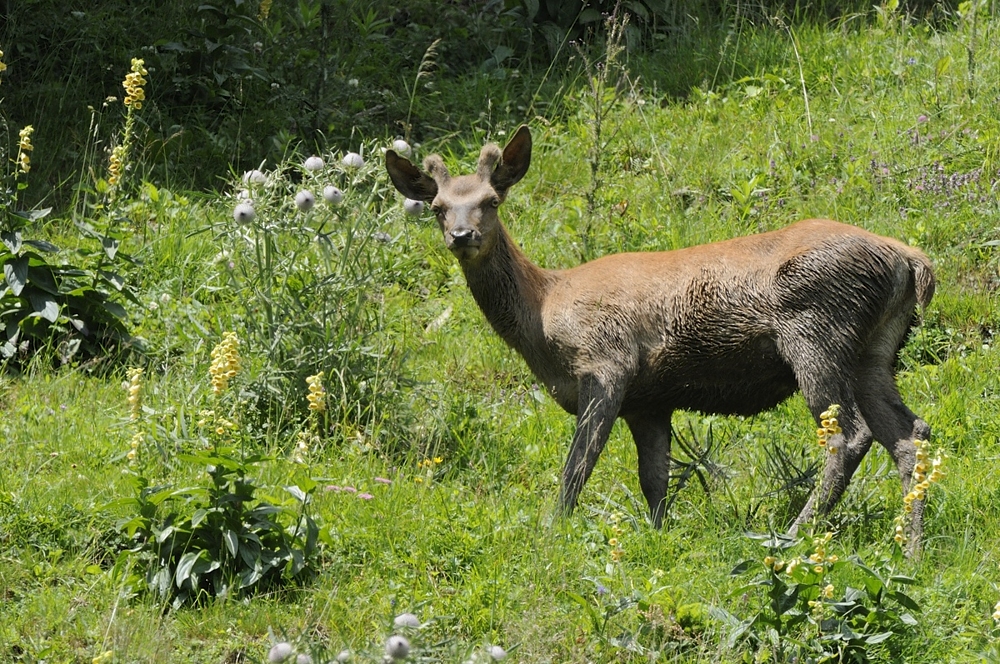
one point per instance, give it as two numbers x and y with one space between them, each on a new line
409 180
514 163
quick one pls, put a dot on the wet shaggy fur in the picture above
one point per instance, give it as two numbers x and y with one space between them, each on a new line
733 327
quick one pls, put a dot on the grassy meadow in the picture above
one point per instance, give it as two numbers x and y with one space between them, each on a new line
199 510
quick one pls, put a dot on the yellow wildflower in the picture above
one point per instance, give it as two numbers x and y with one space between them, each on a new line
613 542
996 612
115 164
225 362
828 425
317 394
24 148
265 9
134 94
769 561
438 459
105 656
3 67
135 393
828 591
818 569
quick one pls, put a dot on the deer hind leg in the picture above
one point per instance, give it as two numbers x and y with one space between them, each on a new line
652 441
823 385
896 428
597 411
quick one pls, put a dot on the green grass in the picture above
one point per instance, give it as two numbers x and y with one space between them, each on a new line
473 548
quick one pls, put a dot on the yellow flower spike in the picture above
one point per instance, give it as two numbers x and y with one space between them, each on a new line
225 362
134 94
317 393
135 393
24 149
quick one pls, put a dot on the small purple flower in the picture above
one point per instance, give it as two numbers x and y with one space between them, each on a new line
349 489
814 138
921 118
383 480
601 590
911 61
365 496
333 487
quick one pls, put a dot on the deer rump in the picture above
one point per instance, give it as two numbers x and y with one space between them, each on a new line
733 327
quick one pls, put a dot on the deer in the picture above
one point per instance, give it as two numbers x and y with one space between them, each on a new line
729 328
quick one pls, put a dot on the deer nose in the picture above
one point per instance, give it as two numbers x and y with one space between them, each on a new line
465 237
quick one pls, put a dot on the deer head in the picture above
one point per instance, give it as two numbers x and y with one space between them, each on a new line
466 205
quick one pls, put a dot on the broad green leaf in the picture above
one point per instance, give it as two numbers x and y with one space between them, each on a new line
44 305
114 279
12 240
15 271
47 247
110 245
232 541
115 309
872 639
185 566
905 600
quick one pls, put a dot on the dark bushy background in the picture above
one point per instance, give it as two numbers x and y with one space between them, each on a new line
230 85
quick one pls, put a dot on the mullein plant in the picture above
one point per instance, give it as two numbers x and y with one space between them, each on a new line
8 194
309 437
135 95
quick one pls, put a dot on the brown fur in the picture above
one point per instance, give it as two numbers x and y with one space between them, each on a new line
733 327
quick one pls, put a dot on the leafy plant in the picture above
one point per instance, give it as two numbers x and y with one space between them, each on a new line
221 539
804 617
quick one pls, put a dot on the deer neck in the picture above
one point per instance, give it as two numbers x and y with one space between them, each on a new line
509 289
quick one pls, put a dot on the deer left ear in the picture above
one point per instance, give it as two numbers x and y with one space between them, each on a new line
514 163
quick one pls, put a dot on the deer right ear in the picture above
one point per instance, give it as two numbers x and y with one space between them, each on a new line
409 180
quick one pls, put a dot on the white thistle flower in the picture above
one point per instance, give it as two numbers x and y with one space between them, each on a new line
354 160
314 164
244 213
333 195
304 200
254 177
497 653
279 652
344 656
406 620
303 658
397 647
402 147
413 208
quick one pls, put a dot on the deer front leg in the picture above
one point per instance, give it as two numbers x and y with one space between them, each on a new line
596 412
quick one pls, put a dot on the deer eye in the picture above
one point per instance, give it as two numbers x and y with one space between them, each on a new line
437 210
495 201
